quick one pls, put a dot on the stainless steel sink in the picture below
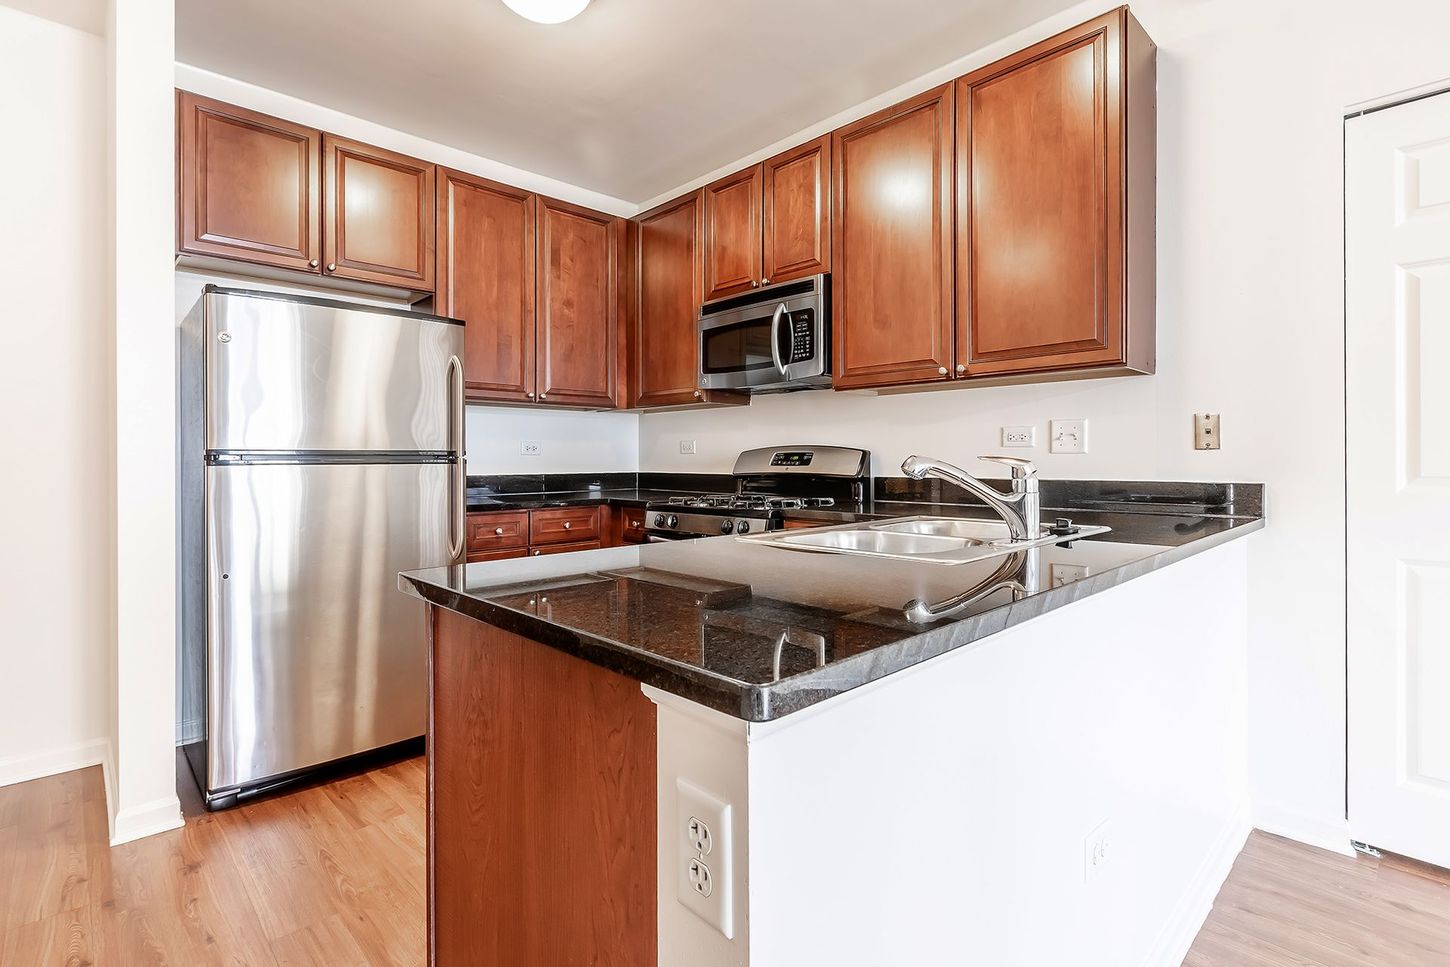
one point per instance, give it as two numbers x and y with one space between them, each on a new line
929 540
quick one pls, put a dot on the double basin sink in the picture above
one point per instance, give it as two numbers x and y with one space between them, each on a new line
930 540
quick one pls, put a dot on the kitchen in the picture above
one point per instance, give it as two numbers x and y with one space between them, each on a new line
596 394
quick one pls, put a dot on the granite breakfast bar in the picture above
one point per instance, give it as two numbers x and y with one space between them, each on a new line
889 757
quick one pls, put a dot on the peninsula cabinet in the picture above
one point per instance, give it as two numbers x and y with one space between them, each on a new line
249 185
535 282
669 290
1055 205
770 222
892 245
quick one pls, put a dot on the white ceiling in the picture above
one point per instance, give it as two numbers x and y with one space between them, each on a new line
631 99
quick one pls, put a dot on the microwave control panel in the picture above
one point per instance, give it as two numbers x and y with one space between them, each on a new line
802 335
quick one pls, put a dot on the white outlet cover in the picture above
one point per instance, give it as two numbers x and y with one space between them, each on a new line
694 803
1019 436
531 448
1097 851
1068 436
687 446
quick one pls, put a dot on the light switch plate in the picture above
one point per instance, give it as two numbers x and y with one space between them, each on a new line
1068 436
694 808
1205 431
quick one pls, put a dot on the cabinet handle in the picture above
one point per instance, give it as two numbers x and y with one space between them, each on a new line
961 367
941 370
498 531
536 554
568 524
698 394
332 266
314 263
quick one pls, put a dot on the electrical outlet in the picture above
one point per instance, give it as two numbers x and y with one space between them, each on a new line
700 878
703 821
1019 436
697 833
1097 851
1067 573
687 446
1068 436
1205 431
531 448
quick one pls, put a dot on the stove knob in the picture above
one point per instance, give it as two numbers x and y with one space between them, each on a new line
727 525
744 527
659 520
673 521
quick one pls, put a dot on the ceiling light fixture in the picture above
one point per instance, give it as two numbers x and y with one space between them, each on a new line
547 11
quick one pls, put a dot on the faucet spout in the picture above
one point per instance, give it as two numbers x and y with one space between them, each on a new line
1020 509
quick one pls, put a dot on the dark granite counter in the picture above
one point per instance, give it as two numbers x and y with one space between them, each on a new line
758 631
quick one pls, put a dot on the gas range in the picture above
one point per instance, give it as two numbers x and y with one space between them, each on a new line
768 481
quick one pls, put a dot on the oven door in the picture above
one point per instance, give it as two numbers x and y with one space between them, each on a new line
763 343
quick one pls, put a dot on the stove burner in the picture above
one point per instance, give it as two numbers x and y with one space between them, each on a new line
758 502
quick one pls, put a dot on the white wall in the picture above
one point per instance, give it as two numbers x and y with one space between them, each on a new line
571 441
1251 98
55 572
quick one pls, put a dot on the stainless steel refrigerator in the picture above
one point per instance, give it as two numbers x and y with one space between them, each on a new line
321 452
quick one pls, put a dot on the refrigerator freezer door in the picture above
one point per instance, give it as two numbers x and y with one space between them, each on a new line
287 376
312 652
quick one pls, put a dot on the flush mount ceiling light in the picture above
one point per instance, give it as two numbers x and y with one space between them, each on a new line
547 11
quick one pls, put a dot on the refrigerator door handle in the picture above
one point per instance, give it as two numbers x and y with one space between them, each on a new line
455 443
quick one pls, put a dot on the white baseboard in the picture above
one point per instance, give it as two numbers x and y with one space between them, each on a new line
1331 835
1180 930
147 819
52 762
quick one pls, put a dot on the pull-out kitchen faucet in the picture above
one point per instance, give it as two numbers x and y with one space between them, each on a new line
1021 508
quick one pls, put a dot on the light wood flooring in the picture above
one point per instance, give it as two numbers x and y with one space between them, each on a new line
333 875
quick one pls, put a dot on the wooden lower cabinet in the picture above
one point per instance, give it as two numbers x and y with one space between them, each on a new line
504 555
565 548
538 763
499 535
628 526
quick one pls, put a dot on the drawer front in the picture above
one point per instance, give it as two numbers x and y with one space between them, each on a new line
564 525
497 531
500 555
632 529
565 548
794 524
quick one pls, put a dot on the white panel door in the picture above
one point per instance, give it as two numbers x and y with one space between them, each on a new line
1397 307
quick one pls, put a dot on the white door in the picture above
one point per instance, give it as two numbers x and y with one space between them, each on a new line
1397 341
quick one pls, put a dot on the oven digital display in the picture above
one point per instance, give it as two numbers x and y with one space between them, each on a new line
791 458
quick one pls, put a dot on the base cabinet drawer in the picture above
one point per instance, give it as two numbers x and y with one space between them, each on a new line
565 548
559 525
503 555
496 531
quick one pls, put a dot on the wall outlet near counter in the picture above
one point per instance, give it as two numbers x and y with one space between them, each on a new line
1205 431
1096 851
687 446
703 822
1067 436
531 448
1019 436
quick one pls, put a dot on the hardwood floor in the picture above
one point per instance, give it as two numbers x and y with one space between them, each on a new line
1287 905
328 875
333 875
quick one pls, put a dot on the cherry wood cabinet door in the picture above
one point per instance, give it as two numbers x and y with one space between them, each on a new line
1040 212
669 278
732 233
249 185
578 305
378 215
797 212
486 265
892 244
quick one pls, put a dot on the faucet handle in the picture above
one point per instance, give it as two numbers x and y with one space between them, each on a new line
1021 468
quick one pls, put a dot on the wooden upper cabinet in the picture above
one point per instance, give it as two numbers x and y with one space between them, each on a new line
486 265
378 215
1055 184
670 288
796 214
892 244
578 304
249 185
732 233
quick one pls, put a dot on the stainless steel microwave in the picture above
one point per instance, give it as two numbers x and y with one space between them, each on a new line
771 340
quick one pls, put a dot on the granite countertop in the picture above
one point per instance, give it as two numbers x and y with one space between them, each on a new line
759 632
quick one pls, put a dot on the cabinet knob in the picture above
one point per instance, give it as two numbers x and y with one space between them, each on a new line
529 395
698 394
543 396
568 524
332 266
754 284
314 263
961 367
536 553
941 370
498 531
765 282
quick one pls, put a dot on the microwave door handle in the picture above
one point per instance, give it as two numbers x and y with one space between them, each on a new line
775 338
